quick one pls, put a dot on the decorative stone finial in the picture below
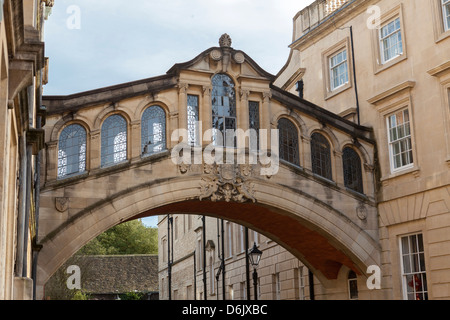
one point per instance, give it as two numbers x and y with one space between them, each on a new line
225 40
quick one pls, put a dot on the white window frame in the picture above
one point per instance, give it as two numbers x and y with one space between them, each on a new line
336 66
393 142
393 34
446 14
421 273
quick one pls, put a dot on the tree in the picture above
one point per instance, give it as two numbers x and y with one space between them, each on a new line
132 237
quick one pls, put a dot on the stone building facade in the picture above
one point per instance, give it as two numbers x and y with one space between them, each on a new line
23 70
385 64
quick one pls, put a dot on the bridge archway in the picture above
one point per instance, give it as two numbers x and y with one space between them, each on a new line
323 238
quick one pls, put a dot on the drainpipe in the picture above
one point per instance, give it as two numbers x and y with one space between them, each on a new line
247 264
22 206
169 263
223 259
311 286
354 76
205 288
27 210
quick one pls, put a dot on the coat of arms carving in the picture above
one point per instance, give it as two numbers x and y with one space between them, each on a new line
226 183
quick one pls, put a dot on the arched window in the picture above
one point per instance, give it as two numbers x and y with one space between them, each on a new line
321 156
352 285
153 130
288 136
223 111
352 170
72 151
114 140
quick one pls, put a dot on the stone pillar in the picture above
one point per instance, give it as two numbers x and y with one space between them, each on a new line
96 150
135 141
266 116
52 160
182 109
206 113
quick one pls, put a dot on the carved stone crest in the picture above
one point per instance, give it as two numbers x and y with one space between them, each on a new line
361 212
62 204
226 183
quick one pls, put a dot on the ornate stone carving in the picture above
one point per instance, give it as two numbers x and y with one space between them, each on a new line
361 212
62 204
239 57
226 183
216 55
225 41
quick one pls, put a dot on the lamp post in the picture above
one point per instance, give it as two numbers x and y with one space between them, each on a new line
255 257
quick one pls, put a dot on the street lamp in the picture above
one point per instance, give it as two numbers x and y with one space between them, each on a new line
255 257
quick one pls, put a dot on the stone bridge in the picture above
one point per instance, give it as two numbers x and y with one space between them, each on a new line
110 158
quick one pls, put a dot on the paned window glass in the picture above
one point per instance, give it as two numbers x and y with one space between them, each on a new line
153 130
321 156
223 111
114 140
338 70
400 140
288 136
413 268
193 118
254 124
446 13
391 40
352 170
72 151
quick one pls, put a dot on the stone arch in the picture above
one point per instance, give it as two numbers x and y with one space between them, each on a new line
292 218
66 121
294 117
109 111
363 153
149 102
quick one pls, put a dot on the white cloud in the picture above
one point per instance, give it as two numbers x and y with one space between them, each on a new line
123 41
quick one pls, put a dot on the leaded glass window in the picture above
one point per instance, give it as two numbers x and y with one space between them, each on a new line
114 140
153 130
352 170
223 111
288 136
321 156
193 119
254 125
352 285
72 151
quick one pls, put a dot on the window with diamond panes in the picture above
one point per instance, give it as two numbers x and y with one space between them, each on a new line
321 156
72 151
288 136
153 130
254 126
193 120
414 275
114 140
352 170
223 111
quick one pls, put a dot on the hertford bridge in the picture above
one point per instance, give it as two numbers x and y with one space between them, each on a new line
109 158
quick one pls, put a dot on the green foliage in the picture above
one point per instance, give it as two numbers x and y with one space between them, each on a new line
131 296
79 295
132 237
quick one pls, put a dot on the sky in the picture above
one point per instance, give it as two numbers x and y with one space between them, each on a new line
97 43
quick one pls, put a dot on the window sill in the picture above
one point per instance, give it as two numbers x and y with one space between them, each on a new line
444 35
415 170
337 91
390 63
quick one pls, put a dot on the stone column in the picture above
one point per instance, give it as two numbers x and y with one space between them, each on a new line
206 112
135 141
52 160
96 150
266 116
182 109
